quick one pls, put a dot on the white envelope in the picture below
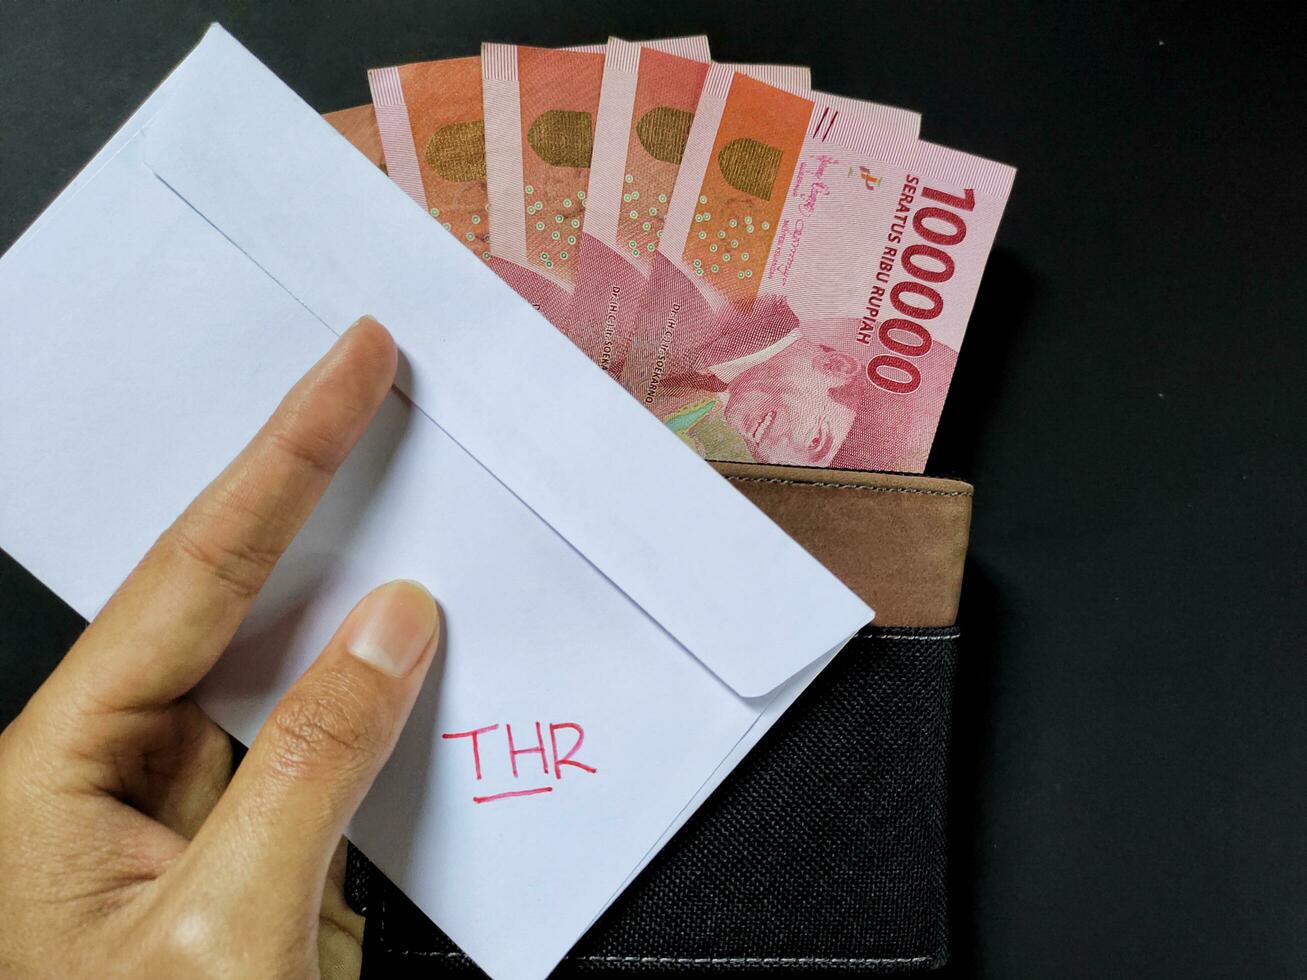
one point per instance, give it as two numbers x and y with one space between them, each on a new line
595 575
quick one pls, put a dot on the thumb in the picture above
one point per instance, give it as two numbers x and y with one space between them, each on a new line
308 769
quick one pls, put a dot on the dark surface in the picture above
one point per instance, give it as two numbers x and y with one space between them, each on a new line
1130 794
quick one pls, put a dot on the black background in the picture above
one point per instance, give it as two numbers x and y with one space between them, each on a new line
1130 782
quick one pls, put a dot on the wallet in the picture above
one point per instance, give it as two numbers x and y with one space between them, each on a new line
825 849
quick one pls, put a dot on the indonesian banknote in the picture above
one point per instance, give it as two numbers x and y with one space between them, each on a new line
433 134
540 106
780 275
646 105
816 271
431 120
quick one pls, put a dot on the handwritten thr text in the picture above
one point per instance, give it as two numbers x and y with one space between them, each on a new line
484 740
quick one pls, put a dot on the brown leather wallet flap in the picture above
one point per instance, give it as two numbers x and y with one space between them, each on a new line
359 125
897 541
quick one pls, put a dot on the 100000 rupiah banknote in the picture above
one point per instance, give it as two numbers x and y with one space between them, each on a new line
748 137
646 105
813 283
433 133
431 118
540 108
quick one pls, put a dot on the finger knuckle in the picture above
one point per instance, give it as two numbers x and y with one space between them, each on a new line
324 726
191 939
237 564
316 447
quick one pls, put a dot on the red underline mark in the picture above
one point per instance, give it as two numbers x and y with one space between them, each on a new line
515 792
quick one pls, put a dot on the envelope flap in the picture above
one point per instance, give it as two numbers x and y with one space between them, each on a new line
264 169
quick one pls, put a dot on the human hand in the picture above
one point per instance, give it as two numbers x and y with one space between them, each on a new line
127 845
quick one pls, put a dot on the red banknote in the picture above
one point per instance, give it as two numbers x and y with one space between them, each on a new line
812 286
540 108
646 106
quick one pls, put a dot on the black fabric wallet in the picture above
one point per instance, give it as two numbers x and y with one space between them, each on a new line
825 849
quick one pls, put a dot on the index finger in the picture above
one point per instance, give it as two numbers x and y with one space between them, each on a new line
175 614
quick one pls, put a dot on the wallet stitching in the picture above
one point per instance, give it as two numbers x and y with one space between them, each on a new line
870 635
758 960
698 960
849 486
